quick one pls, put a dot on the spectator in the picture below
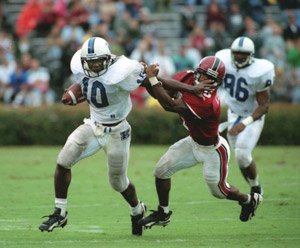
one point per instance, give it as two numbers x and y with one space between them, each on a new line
7 46
6 68
143 51
292 31
166 65
28 17
182 61
197 39
193 54
220 36
72 33
293 56
188 20
252 32
26 61
80 15
235 20
274 50
146 24
23 44
46 19
40 91
162 5
255 9
17 82
214 14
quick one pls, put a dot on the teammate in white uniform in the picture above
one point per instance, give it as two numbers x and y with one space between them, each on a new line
247 83
106 81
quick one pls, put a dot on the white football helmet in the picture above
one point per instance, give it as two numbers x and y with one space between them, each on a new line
95 56
242 45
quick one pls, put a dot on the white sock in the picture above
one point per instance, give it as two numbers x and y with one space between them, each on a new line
62 204
166 209
253 182
136 210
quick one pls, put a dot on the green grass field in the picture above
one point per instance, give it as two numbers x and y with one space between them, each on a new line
99 217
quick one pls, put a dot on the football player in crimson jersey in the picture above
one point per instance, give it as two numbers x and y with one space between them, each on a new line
203 145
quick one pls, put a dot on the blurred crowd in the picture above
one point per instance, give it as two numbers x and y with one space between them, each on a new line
33 78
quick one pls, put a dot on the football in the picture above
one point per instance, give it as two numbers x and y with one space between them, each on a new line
73 95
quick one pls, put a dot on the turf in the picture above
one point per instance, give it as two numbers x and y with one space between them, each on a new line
99 217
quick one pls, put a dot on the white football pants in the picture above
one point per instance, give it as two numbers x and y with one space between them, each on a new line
187 153
88 138
244 143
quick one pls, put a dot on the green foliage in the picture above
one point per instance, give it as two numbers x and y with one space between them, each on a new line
99 217
51 126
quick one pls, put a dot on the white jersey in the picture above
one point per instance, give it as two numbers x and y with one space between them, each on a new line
109 94
241 85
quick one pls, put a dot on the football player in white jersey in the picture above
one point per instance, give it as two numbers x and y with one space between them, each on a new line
247 85
106 81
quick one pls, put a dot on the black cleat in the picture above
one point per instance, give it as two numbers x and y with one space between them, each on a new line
156 218
257 189
55 220
248 209
136 228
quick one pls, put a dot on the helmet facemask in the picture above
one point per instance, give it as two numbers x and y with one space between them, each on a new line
95 67
211 75
241 59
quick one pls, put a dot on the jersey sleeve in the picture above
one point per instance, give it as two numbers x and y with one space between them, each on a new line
134 79
266 80
76 68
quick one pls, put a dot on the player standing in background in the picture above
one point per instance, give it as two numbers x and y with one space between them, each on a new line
247 83
106 81
203 145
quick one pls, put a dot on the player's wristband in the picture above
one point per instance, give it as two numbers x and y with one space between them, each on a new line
153 81
248 120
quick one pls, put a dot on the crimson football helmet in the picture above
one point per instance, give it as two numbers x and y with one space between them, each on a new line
213 67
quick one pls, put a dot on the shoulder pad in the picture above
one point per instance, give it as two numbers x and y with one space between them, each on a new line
181 75
260 67
120 70
75 64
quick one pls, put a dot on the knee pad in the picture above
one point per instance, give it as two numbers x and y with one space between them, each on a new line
69 154
118 182
215 190
243 157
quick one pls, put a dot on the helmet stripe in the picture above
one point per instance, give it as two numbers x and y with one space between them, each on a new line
241 41
91 45
216 64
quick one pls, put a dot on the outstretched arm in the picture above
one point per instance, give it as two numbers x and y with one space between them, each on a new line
196 89
165 100
173 86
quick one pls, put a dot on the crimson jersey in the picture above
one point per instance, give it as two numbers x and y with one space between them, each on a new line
206 112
